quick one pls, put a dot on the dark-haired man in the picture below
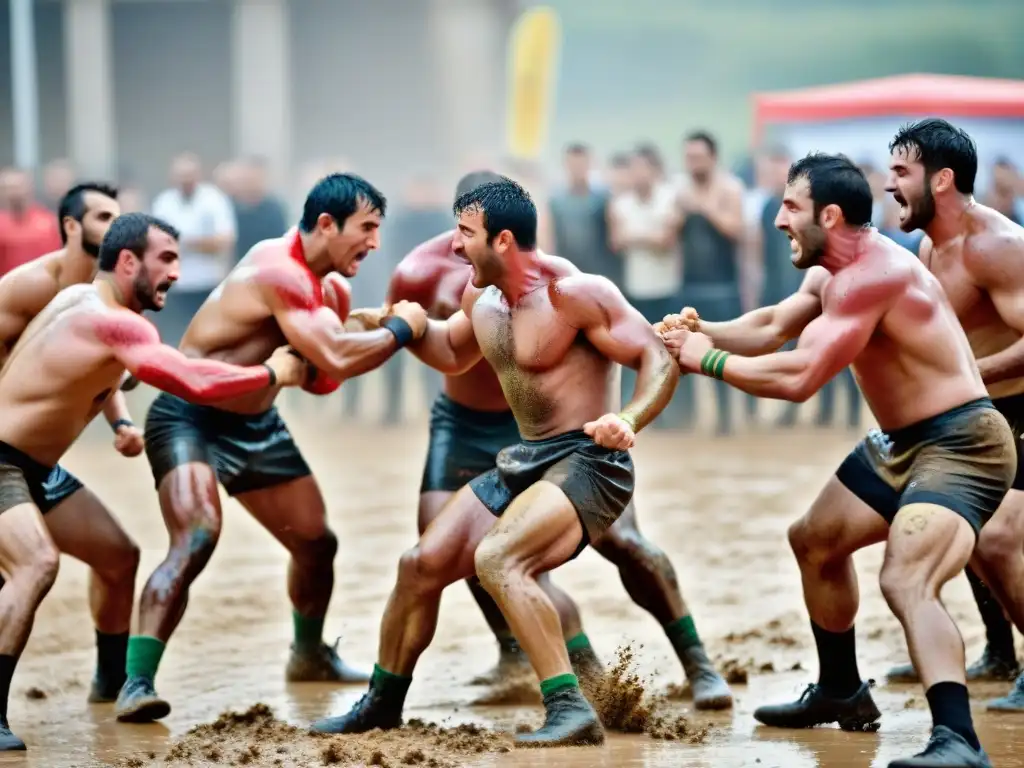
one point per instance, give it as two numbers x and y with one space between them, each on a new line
553 336
470 423
285 290
925 482
78 522
69 360
976 253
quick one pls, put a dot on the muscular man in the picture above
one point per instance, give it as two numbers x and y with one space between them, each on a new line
283 290
925 483
470 423
553 336
977 254
68 362
77 521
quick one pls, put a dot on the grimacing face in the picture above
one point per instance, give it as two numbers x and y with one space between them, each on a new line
351 242
796 218
910 187
157 271
471 242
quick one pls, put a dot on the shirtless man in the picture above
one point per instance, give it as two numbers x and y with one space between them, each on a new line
470 423
284 290
553 336
925 483
77 521
977 254
68 362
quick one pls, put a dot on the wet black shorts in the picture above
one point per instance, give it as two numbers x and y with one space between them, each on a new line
598 481
248 452
1012 408
464 443
963 459
24 480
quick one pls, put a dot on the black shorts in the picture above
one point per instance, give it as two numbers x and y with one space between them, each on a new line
248 452
598 481
464 443
963 459
1012 408
24 480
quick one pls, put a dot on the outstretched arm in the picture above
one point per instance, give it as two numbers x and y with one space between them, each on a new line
619 332
450 345
136 344
766 329
995 266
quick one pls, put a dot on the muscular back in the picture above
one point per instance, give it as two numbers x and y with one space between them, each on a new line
917 361
58 376
24 291
435 277
966 266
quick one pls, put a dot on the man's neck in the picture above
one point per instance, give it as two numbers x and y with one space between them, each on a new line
109 291
948 221
317 260
844 247
524 274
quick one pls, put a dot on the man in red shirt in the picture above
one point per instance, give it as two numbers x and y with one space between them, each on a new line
27 229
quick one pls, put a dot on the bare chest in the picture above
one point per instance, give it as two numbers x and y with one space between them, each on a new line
529 337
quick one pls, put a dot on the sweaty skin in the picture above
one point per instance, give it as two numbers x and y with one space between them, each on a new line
541 348
885 314
272 298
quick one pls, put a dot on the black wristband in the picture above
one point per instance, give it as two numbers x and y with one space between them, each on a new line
129 384
118 423
273 376
402 330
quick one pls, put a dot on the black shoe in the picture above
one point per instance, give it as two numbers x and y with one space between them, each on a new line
512 664
105 690
815 707
1011 702
8 741
371 711
322 665
946 749
988 667
710 691
569 721
138 702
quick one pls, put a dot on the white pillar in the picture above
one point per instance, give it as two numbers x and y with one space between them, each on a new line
24 84
261 80
89 79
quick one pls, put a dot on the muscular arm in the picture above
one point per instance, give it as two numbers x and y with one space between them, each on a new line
116 408
595 306
766 329
450 345
726 214
995 263
136 344
317 333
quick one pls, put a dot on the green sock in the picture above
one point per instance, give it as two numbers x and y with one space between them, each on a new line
144 655
558 683
389 682
682 634
578 643
309 632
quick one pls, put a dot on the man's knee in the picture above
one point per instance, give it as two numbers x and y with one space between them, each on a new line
423 569
120 563
999 543
319 548
904 586
36 571
814 543
493 564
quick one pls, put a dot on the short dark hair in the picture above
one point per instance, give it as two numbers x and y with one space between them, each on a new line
73 202
650 153
504 205
130 231
619 160
577 148
835 180
939 144
339 195
471 181
705 137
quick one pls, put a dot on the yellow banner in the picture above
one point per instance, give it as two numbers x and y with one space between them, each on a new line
532 68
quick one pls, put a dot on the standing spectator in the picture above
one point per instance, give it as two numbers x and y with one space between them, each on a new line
643 227
259 215
204 216
579 218
620 174
58 178
711 207
1002 194
27 229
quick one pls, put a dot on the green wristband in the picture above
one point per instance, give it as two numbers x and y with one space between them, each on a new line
720 365
708 361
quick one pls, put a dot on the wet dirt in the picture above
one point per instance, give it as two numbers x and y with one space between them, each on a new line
719 507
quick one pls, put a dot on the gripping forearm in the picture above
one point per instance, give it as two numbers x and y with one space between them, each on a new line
353 354
751 334
437 350
780 376
202 381
655 383
1003 366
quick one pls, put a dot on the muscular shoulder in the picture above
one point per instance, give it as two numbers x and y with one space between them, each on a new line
993 249
269 267
815 280
417 276
29 287
583 298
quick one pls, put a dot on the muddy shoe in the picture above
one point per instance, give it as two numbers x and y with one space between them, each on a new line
988 667
512 664
8 741
105 691
322 665
946 749
814 707
1011 702
374 710
138 702
569 721
710 691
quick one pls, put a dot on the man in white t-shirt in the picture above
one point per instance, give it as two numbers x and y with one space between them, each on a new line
204 216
